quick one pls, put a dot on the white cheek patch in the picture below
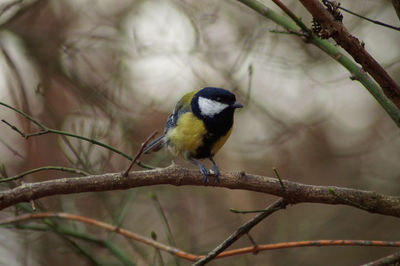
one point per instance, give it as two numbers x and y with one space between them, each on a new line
210 107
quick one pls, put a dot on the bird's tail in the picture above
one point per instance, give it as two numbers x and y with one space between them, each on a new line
155 145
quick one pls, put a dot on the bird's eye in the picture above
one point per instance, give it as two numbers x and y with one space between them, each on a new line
218 99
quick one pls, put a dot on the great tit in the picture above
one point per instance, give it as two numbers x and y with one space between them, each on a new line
198 127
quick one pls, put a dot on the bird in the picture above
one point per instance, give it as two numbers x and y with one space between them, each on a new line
198 127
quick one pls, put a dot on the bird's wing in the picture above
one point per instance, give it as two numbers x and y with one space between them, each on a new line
181 107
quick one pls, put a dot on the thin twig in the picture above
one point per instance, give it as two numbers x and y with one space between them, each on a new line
33 205
244 229
103 225
392 259
66 232
245 212
310 243
298 21
46 130
14 128
183 254
279 178
253 242
365 18
170 235
14 151
139 153
45 168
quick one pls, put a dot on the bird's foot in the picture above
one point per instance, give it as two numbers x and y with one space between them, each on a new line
216 174
215 171
205 172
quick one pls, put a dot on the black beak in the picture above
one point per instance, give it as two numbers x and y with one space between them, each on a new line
237 105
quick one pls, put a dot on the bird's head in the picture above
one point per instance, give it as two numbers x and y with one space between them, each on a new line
209 102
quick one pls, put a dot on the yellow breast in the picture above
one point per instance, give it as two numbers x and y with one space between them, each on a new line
187 136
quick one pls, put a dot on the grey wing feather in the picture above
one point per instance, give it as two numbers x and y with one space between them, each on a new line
172 121
158 143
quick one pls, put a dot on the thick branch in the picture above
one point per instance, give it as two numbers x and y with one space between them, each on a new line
175 175
353 46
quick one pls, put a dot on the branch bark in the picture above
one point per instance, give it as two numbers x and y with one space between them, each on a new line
174 175
353 46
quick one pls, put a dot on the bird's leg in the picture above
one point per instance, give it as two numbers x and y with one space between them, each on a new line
215 170
203 170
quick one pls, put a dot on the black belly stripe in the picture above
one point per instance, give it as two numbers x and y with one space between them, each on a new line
204 151
217 126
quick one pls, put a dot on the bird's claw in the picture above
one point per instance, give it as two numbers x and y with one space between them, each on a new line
215 172
204 171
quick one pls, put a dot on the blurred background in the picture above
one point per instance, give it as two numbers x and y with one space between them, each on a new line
113 71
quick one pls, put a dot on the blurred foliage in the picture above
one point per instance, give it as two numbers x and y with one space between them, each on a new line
113 70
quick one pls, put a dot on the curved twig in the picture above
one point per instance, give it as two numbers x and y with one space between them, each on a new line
44 168
46 130
392 259
244 229
190 256
106 226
